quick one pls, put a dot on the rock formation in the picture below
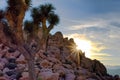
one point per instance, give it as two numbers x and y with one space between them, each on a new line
56 64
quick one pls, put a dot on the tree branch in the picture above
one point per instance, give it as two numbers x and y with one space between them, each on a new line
50 27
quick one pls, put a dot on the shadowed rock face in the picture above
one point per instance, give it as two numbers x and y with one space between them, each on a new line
99 68
56 64
94 66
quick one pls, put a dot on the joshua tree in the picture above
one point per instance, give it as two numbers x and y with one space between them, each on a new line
12 35
11 30
15 13
42 15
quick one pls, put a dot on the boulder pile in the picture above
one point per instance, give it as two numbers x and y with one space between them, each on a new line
57 63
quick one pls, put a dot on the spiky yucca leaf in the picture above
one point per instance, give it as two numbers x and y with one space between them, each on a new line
53 19
36 16
46 9
28 2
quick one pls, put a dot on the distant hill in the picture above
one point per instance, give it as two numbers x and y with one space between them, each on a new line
113 67
114 71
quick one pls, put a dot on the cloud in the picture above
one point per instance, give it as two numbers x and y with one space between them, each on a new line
77 27
113 36
36 3
101 54
103 59
98 47
116 24
76 35
100 21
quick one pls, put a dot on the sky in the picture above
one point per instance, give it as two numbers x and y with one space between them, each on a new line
96 21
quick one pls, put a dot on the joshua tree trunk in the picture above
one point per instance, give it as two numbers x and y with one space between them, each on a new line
45 35
45 42
46 46
15 15
30 62
31 69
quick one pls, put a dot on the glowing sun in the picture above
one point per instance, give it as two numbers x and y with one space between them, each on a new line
84 45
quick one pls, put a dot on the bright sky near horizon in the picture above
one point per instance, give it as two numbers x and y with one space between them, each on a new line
94 21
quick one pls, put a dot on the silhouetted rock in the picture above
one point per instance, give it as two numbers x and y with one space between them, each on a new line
87 63
99 68
93 66
116 77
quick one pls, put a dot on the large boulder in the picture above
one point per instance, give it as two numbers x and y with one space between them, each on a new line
56 39
53 60
45 64
47 74
70 76
25 76
93 66
59 69
54 51
21 60
116 77
86 63
99 68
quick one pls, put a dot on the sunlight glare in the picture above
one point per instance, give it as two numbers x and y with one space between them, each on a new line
84 45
